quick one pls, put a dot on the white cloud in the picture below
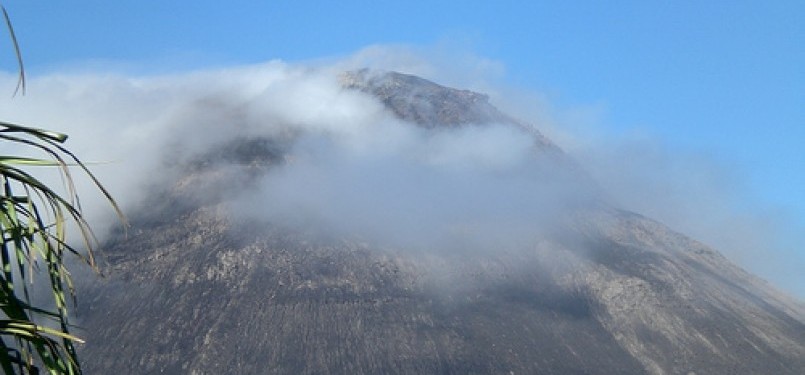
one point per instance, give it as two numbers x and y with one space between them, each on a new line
357 168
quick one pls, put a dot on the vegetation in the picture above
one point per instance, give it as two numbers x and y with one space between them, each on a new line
34 222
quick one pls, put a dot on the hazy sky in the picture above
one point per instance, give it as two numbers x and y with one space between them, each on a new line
719 81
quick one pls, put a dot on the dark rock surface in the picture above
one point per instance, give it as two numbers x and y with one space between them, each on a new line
192 291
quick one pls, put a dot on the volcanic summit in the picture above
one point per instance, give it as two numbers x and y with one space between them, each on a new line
529 270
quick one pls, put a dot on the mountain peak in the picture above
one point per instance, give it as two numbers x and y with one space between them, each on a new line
424 102
546 287
431 105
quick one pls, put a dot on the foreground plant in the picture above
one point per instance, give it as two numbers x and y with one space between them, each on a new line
34 220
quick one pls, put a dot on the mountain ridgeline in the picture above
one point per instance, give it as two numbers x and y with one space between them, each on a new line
589 289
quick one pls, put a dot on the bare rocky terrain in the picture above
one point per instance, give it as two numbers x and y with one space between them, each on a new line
192 290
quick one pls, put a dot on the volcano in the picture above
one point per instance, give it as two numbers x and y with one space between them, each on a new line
589 288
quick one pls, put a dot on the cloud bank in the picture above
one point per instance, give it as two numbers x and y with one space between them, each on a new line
354 167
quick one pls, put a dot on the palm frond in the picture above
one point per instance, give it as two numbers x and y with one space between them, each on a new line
34 220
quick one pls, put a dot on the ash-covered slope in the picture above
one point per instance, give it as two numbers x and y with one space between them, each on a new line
195 289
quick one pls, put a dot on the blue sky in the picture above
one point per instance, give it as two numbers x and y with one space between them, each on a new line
722 79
